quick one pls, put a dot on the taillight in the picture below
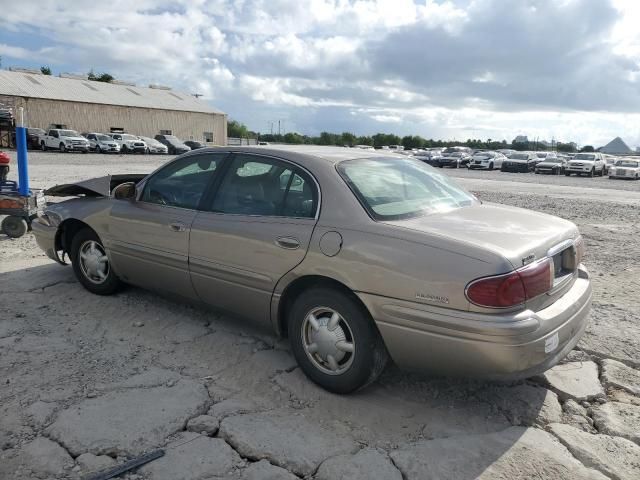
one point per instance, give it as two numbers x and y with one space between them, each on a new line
510 289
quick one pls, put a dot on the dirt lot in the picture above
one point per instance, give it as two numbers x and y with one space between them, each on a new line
89 381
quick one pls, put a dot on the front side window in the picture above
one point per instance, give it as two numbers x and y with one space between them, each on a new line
183 182
263 186
399 189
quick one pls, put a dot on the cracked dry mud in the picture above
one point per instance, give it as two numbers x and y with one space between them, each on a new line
88 381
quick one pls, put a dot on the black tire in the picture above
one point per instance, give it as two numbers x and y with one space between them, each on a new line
567 174
111 283
491 166
124 149
43 147
369 356
98 149
62 148
14 227
592 173
85 151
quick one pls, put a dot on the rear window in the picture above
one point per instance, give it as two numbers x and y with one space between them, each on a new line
392 189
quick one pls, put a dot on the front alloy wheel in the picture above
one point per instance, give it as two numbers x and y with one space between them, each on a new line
91 264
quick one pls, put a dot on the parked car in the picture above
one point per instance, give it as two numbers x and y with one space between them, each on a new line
454 159
33 137
553 165
486 160
590 164
519 162
542 156
506 151
101 143
154 146
193 145
430 157
354 256
609 161
64 140
173 144
625 168
129 143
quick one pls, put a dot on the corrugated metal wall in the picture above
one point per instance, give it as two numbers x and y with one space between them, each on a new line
87 117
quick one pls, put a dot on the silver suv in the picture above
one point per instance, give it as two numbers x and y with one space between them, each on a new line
589 164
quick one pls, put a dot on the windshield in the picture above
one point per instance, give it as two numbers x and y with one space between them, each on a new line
541 155
451 149
129 137
68 133
626 163
104 138
484 155
519 156
394 190
584 156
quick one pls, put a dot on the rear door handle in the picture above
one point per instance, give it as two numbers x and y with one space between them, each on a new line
177 227
289 243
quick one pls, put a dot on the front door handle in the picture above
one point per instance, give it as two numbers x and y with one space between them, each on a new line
177 227
289 243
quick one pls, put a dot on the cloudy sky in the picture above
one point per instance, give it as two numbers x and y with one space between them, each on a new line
568 69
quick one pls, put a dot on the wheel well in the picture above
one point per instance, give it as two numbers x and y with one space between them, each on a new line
295 288
66 231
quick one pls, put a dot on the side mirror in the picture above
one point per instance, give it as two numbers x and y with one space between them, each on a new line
124 191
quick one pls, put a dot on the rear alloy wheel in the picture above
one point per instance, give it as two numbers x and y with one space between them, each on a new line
91 264
335 341
14 227
62 148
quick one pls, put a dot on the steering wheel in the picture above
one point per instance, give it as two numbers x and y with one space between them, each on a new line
163 198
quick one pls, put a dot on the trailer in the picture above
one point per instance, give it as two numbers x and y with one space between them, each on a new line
21 210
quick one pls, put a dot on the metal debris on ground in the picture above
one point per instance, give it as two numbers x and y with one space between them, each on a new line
126 466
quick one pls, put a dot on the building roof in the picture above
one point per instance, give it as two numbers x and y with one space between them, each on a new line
20 84
616 146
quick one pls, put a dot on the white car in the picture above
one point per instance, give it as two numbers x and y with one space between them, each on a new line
629 168
101 143
129 143
154 146
590 164
542 156
486 161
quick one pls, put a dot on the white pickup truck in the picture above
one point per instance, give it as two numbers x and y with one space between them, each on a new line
63 140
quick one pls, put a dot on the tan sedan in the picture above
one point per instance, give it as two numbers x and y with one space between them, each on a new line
354 255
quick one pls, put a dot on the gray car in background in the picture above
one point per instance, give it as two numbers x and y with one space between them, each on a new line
354 255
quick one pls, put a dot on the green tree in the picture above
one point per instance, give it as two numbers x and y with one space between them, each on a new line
103 77
587 148
45 70
348 138
236 129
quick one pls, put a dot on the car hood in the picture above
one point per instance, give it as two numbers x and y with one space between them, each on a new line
549 164
514 233
94 187
74 138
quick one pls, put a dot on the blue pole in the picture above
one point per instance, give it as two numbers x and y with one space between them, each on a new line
23 162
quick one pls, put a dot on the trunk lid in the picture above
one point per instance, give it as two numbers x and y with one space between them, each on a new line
521 236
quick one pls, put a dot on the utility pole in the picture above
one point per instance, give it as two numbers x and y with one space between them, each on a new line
278 127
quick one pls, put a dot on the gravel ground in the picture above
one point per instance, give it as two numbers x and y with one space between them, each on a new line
89 381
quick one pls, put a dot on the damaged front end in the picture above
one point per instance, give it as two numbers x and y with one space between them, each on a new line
94 187
61 220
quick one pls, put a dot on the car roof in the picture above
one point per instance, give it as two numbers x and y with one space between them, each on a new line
308 155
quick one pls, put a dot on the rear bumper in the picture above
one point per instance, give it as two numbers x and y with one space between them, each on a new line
509 346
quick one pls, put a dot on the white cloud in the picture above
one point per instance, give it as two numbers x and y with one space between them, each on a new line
483 68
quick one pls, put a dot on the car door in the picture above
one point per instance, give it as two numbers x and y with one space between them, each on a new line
253 230
149 236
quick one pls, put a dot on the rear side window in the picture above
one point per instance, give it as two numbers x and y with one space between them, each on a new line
262 186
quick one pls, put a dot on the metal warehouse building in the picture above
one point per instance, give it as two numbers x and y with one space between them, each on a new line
90 106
